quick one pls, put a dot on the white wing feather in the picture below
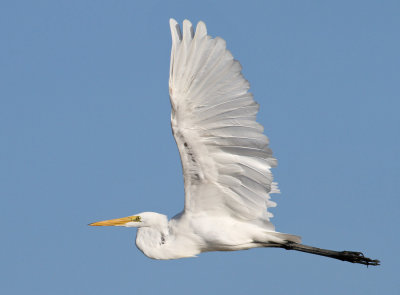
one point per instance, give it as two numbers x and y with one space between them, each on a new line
225 156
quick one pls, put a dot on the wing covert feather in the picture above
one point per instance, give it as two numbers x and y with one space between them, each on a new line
225 156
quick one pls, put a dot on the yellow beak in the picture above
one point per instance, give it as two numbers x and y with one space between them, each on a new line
117 221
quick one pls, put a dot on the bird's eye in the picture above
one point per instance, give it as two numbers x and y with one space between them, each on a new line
138 218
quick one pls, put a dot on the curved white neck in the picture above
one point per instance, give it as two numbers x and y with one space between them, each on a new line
157 240
151 240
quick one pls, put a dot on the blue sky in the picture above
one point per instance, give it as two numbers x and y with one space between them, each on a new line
85 136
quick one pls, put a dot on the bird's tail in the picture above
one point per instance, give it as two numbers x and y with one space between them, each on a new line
286 237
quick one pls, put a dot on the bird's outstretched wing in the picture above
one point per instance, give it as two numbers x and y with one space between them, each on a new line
225 156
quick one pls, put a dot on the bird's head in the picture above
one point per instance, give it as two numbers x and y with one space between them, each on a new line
138 220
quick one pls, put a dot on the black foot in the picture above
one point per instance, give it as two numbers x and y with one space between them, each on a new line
357 257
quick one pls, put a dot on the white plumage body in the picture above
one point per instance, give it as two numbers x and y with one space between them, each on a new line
188 235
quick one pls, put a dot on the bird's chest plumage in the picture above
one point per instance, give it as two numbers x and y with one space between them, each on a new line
156 245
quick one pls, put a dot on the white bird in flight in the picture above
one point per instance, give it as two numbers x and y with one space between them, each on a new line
225 158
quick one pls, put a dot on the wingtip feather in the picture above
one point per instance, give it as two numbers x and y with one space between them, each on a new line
187 30
201 29
175 31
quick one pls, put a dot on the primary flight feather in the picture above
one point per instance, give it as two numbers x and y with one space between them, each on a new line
225 158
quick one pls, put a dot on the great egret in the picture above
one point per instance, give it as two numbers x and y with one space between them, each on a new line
225 159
